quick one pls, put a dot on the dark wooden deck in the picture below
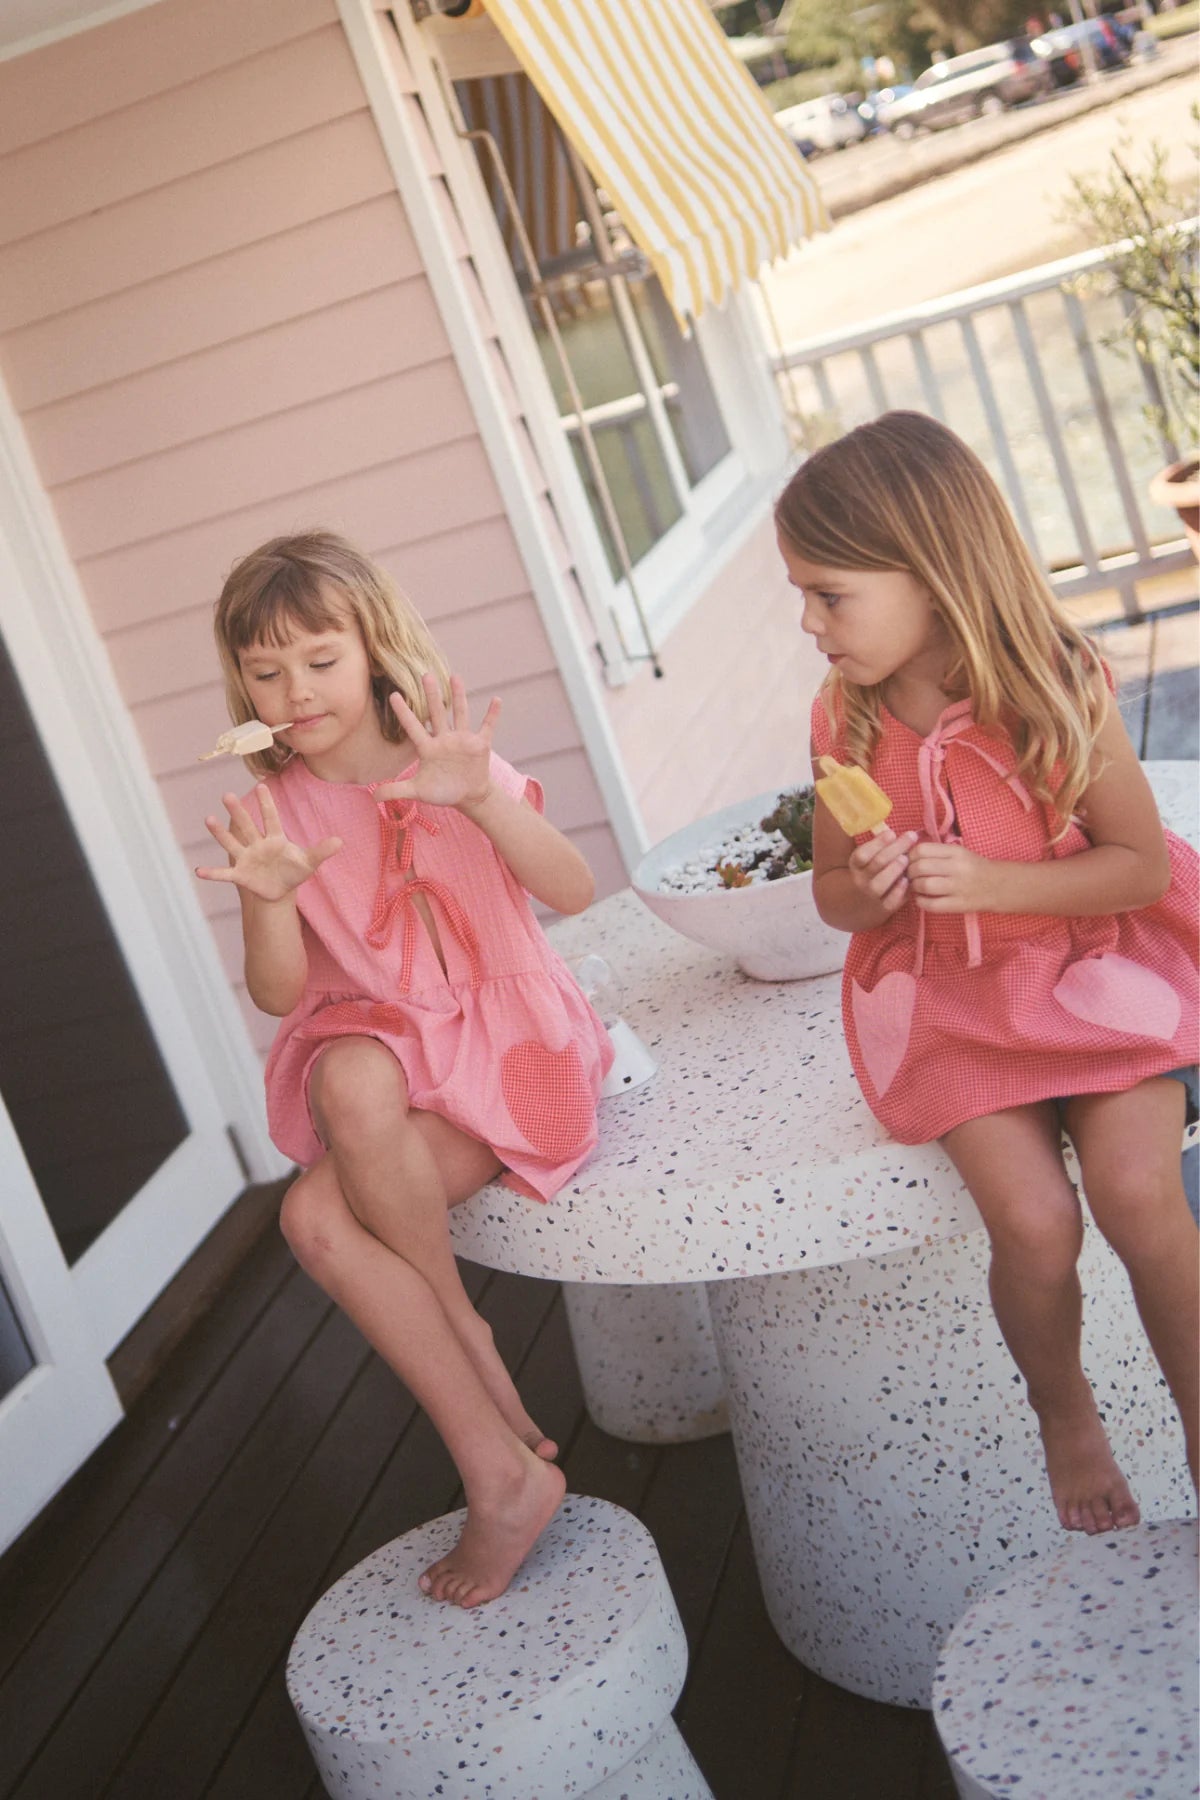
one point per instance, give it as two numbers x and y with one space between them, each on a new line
145 1623
146 1618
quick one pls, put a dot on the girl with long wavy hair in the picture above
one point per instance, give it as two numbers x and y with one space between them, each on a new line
1024 950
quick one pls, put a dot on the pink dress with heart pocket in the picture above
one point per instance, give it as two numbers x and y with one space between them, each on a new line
500 1040
948 1016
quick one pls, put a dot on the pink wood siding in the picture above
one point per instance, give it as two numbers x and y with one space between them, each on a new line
738 655
216 327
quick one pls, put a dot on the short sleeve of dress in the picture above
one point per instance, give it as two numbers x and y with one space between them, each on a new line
521 787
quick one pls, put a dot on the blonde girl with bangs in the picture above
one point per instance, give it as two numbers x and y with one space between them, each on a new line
430 1039
1024 949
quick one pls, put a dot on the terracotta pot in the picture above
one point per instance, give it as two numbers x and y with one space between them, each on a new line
1179 486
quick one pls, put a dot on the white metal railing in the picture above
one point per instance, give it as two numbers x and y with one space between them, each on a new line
1027 370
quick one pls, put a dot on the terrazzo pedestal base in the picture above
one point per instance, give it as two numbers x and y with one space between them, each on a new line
647 1361
891 1467
562 1687
1079 1677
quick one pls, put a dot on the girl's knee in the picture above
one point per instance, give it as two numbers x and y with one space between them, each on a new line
356 1086
1045 1239
309 1217
1142 1212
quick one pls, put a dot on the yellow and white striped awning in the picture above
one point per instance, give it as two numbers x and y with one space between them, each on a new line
675 131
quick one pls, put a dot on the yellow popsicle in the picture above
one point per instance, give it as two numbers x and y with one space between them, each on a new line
245 739
852 797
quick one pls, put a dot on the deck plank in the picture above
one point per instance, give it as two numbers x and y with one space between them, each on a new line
205 1577
76 1634
739 1706
37 1570
1173 724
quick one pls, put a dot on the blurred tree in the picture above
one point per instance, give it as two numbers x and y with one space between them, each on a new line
824 33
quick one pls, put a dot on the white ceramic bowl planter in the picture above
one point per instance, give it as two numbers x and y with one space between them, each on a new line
771 928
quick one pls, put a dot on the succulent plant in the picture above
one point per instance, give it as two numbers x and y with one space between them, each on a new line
793 820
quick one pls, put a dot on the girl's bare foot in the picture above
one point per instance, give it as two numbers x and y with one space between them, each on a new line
501 1529
476 1336
1089 1490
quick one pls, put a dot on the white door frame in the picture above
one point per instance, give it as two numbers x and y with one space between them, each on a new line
54 1416
121 825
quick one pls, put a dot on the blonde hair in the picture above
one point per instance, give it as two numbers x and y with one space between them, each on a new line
316 581
903 492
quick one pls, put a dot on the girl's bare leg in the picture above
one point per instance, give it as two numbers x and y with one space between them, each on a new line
399 1171
1129 1153
1012 1163
511 1494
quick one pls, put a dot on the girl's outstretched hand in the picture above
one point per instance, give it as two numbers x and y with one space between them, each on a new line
454 760
950 878
265 863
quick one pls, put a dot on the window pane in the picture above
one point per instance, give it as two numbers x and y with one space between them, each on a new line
625 350
693 411
84 1084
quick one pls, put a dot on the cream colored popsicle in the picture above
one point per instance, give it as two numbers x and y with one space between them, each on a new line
852 797
245 739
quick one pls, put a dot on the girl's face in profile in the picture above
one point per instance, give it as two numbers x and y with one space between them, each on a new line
870 623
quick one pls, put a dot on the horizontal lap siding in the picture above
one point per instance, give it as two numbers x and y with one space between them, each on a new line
215 324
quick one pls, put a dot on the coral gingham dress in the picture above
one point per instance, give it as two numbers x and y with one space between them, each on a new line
501 1043
951 1016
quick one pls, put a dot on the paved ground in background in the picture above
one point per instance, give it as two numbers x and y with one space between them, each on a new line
989 217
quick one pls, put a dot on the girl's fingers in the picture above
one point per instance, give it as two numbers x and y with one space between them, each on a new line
458 704
437 707
413 728
225 874
490 717
324 850
270 812
241 824
230 844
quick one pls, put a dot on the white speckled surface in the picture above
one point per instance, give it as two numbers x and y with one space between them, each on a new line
543 1694
752 1151
1077 1681
890 1464
647 1361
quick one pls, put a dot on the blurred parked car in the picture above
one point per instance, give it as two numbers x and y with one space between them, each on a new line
826 123
1062 50
970 86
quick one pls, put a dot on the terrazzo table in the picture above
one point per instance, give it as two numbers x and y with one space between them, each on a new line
890 1467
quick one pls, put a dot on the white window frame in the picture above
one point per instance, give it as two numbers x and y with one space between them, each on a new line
725 505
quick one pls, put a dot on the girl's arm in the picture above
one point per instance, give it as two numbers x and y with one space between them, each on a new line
1126 867
857 888
545 862
453 771
267 868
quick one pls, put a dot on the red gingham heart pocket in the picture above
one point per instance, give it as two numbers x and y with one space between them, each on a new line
549 1098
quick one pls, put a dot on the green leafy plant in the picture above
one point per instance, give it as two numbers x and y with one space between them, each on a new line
793 820
1139 208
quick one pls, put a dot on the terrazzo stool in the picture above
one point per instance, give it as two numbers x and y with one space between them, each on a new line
562 1687
1077 1680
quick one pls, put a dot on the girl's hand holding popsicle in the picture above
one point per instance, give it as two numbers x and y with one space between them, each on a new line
878 868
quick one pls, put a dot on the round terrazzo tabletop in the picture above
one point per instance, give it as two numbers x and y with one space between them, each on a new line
752 1151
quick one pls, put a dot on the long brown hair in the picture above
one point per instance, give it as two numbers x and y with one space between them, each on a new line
316 581
903 492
